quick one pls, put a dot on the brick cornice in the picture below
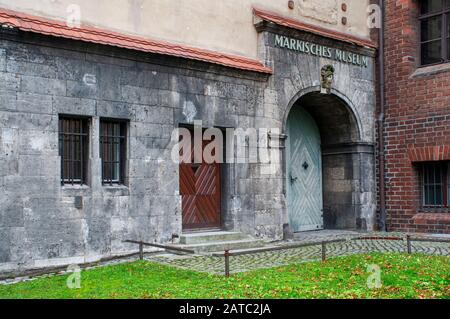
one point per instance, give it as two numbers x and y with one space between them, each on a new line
294 24
429 153
438 218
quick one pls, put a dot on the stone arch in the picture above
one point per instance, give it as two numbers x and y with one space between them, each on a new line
339 97
347 162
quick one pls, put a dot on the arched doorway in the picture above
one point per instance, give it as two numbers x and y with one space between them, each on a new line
328 168
304 170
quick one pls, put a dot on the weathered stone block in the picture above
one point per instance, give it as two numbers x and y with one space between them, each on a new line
268 231
96 59
9 82
109 83
5 244
38 142
8 165
2 60
19 252
152 114
8 101
34 103
34 69
39 85
151 79
141 147
56 238
9 141
11 211
77 106
73 68
139 95
99 236
140 129
31 54
184 84
190 108
115 109
267 217
82 90
30 165
28 121
273 202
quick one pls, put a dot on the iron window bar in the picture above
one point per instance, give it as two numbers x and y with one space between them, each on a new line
112 151
435 185
73 135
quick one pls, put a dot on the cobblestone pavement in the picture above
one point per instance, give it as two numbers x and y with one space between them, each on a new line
215 265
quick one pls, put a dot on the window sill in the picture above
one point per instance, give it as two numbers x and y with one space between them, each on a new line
75 190
432 217
439 210
431 70
74 187
118 190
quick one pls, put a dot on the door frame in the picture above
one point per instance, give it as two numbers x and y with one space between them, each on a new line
220 168
287 172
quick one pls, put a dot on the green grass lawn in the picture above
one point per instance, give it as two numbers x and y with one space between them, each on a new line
403 276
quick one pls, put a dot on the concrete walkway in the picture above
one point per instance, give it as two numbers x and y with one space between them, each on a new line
215 265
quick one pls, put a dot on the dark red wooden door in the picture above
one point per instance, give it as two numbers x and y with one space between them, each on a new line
200 192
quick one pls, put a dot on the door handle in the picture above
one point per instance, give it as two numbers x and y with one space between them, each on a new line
293 179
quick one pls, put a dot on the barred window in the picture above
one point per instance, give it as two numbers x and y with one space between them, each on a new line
434 31
73 149
112 151
435 184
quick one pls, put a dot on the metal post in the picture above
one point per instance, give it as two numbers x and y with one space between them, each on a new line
324 251
408 243
227 263
141 250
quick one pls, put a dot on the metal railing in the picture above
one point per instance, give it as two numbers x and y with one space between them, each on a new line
228 253
165 247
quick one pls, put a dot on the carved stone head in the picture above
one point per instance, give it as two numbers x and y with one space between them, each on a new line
327 76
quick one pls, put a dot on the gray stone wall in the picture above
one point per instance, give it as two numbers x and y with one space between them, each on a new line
349 170
41 78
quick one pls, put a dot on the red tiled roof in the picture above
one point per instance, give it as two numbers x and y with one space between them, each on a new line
294 24
55 28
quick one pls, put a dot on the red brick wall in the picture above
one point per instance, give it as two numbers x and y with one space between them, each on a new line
417 116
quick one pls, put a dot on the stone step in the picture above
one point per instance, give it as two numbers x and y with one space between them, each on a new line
221 246
206 237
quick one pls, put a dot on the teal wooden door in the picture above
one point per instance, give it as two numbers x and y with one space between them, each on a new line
304 172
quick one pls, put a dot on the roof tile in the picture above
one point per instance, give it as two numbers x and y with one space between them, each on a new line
46 26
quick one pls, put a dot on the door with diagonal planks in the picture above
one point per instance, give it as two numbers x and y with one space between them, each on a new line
200 191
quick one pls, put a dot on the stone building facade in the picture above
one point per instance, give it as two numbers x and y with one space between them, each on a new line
417 124
79 75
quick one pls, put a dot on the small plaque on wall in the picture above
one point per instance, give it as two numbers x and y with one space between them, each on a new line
79 202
